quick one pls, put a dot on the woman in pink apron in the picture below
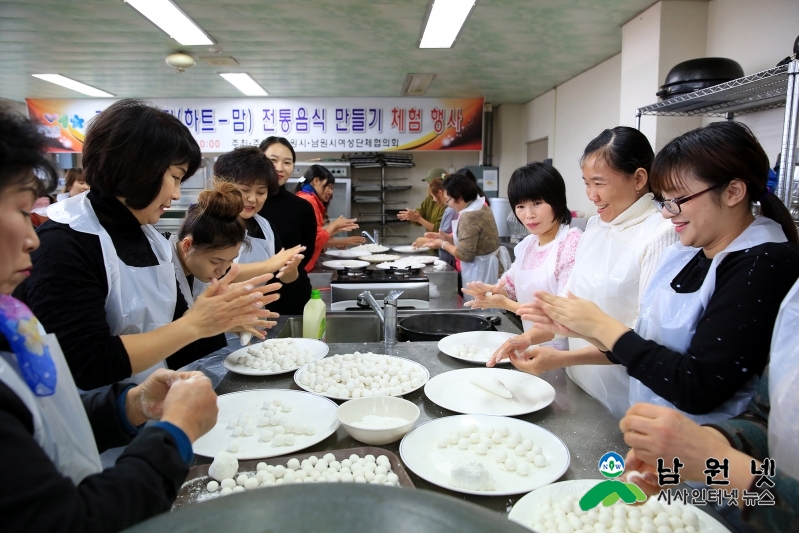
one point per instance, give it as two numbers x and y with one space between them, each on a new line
544 259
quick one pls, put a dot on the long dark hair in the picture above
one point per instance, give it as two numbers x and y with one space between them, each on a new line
214 221
715 155
539 181
624 149
316 172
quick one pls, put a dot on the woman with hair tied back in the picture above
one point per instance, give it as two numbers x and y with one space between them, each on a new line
545 258
706 318
615 259
316 186
103 279
74 183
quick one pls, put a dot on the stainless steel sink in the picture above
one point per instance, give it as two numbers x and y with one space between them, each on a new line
341 328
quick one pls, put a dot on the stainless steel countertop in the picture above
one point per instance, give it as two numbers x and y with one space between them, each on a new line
584 425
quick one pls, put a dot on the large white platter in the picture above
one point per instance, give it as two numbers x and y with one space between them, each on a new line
318 348
345 263
420 452
308 409
484 340
345 254
370 248
304 369
524 510
452 390
379 258
408 249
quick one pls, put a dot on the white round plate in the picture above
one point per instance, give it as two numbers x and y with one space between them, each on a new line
318 348
483 340
408 249
345 263
398 265
303 369
420 452
370 248
379 258
345 254
452 390
309 408
524 510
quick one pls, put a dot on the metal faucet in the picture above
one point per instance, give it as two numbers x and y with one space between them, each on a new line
387 315
375 238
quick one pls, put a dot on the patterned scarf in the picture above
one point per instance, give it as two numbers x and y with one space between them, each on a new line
22 330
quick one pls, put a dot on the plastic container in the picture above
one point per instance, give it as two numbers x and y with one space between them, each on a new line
313 317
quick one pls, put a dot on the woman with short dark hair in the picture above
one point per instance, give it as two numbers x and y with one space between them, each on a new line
544 259
104 281
474 238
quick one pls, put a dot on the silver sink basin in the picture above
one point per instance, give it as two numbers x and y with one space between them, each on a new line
340 328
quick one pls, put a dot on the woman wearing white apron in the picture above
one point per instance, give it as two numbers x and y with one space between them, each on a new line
104 281
51 478
544 259
475 240
768 429
702 338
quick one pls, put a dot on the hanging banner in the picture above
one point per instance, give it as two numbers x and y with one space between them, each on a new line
311 125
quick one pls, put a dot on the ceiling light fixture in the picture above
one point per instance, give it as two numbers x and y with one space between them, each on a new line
417 84
63 81
174 22
244 82
443 21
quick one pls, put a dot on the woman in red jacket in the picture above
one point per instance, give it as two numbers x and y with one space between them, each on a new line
316 186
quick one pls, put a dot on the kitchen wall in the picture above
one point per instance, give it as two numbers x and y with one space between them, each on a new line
756 33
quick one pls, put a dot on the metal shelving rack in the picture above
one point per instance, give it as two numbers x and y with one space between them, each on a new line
381 219
769 89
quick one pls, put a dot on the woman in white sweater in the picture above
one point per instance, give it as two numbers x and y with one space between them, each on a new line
615 259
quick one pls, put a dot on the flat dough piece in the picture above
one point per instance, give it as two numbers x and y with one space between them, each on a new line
492 385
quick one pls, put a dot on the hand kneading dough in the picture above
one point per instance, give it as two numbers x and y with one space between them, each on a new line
471 475
225 465
492 385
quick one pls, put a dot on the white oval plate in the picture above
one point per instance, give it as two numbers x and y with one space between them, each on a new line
485 340
379 258
345 263
370 248
524 510
420 452
318 348
307 408
345 254
303 369
452 390
408 249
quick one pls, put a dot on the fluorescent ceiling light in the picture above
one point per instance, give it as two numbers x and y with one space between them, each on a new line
444 22
172 20
243 82
58 79
417 84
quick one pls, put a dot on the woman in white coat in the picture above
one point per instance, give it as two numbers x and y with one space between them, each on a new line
545 258
615 259
103 278
706 318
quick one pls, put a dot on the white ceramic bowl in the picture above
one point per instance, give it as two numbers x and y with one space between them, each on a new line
389 406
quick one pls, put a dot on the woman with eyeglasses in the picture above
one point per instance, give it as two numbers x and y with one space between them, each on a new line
704 330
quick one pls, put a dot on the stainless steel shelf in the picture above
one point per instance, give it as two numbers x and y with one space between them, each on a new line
757 92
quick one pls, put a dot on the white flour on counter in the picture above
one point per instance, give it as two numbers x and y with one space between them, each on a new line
378 422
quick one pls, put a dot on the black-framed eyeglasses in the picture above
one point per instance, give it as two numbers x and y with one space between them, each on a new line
447 200
673 205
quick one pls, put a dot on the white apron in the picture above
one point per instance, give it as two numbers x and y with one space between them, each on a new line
610 278
483 268
670 318
260 249
140 299
542 278
60 424
783 420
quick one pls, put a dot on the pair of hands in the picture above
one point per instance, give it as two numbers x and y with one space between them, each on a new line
229 306
344 242
185 399
412 215
527 356
342 224
488 296
290 259
433 240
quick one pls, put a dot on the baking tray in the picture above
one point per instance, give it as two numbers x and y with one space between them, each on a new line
198 478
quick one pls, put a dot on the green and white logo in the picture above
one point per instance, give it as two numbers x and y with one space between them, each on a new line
608 492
